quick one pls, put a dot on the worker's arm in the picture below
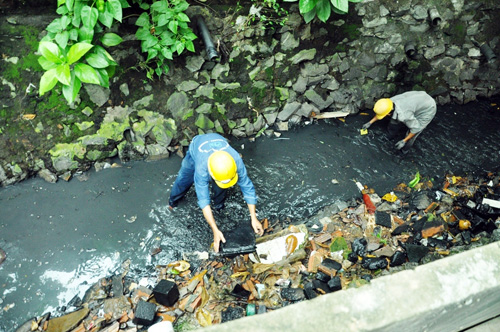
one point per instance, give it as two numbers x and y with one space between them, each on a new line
409 137
256 225
218 236
369 123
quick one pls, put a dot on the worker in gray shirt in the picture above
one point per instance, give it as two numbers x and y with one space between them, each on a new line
414 109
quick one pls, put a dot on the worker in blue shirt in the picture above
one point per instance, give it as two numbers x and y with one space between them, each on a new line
211 160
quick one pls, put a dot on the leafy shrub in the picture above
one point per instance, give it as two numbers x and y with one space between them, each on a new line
322 8
164 31
74 50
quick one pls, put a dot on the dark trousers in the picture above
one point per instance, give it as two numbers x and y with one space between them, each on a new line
185 180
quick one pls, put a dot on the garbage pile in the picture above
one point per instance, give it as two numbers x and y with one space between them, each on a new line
345 245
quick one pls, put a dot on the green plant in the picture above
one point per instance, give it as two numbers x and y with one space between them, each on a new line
69 53
322 8
164 31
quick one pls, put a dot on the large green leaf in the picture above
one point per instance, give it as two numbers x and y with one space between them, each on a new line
115 8
102 51
86 74
86 34
77 19
124 4
62 10
73 34
46 64
183 17
172 25
106 18
62 38
97 60
89 16
69 4
167 53
77 51
71 91
65 21
163 19
60 2
111 39
143 20
323 10
179 47
181 6
48 81
160 6
63 74
50 51
54 26
104 77
190 46
309 16
340 6
149 42
152 53
305 6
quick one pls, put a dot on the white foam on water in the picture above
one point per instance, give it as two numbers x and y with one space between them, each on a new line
78 281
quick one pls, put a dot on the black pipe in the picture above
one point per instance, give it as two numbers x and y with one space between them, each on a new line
410 50
205 35
435 17
487 52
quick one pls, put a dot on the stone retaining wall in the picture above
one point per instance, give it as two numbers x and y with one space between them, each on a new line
269 79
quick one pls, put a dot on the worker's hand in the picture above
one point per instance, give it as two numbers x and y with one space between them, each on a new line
400 144
366 125
257 227
218 237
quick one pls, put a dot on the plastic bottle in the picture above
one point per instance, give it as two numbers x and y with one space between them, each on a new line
366 199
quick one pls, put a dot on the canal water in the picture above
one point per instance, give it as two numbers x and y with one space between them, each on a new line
61 238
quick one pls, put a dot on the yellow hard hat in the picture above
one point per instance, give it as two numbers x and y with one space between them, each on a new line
222 169
383 107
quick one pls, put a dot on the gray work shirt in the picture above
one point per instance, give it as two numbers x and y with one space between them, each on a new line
415 109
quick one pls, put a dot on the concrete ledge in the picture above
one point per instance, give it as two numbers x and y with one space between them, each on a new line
450 294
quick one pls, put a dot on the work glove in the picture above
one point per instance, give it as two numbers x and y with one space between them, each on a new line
400 144
366 125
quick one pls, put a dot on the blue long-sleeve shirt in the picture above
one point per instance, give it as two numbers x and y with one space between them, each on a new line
201 147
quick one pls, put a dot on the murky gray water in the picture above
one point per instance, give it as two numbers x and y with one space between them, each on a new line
61 238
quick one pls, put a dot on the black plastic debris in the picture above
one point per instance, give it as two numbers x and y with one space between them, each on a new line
400 229
352 257
145 313
437 243
166 292
293 294
466 237
329 267
322 276
321 287
240 292
309 291
240 240
335 284
383 219
367 277
398 258
359 246
416 252
232 313
374 263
